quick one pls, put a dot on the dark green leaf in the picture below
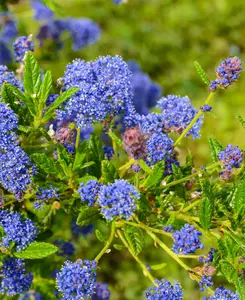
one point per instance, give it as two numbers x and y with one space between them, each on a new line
87 216
201 73
32 75
135 238
81 153
109 172
45 88
238 198
240 286
222 247
96 154
156 176
49 165
228 270
37 250
99 235
215 148
206 212
58 101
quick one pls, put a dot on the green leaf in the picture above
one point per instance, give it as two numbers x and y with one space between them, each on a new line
156 176
45 89
99 235
201 73
32 75
36 250
215 148
238 198
58 101
158 266
222 247
206 212
109 172
9 97
144 166
87 216
87 164
240 287
86 178
240 241
25 128
116 139
15 92
119 247
96 154
228 270
241 120
49 165
135 238
81 153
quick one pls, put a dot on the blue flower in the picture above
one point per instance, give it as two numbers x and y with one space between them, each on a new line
206 108
22 45
151 123
164 291
8 77
209 258
168 228
118 199
108 152
89 192
177 113
104 90
227 72
80 230
186 240
65 248
14 279
205 282
43 195
224 294
101 292
9 31
76 280
18 231
30 295
5 53
42 12
83 31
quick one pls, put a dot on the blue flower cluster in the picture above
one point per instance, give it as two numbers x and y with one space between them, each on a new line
13 277
43 195
118 199
230 158
30 295
65 248
42 12
223 294
227 72
205 108
76 280
101 292
145 92
164 291
186 240
158 147
17 231
89 192
205 282
8 77
108 152
22 45
104 89
15 166
209 258
168 228
177 113
8 32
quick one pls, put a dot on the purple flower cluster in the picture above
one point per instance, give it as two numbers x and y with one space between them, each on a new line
89 192
164 291
101 292
22 45
76 280
104 89
43 195
78 230
177 114
66 137
15 166
118 199
145 92
209 258
13 277
158 147
223 294
186 240
227 72
134 142
65 248
18 231
230 158
206 281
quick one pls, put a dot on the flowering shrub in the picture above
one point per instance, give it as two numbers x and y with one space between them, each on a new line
91 152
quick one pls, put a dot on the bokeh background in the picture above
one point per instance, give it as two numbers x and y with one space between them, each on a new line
165 37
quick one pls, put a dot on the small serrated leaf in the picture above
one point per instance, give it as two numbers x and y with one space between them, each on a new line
215 148
36 250
238 198
45 89
135 238
201 73
109 172
240 286
241 120
99 235
228 270
207 205
156 176
81 153
32 75
87 216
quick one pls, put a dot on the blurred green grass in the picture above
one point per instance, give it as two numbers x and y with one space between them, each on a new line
165 37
